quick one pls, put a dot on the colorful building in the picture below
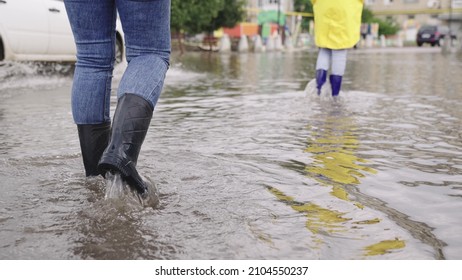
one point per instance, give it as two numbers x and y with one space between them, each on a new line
265 11
263 17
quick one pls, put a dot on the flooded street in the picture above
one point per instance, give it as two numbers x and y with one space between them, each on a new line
248 165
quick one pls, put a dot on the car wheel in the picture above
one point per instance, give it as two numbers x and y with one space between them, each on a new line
2 50
419 44
119 53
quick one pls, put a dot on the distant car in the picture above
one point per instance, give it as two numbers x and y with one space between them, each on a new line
39 30
433 35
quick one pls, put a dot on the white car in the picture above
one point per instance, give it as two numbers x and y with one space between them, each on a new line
39 30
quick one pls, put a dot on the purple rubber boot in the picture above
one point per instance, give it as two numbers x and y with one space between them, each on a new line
336 84
321 76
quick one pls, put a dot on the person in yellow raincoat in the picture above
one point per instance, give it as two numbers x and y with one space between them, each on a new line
337 25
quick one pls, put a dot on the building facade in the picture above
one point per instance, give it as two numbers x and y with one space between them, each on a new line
419 12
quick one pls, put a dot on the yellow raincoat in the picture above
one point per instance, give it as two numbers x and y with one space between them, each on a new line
337 23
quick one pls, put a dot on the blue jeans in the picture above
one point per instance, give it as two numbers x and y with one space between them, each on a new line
146 27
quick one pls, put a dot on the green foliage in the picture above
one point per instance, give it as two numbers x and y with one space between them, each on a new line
386 27
178 15
304 6
231 14
367 16
193 15
196 16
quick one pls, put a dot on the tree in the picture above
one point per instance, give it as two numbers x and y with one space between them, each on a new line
229 15
304 6
386 27
202 14
193 16
178 18
367 16
196 16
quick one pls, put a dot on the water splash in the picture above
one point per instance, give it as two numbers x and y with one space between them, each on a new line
176 75
119 192
34 74
326 92
311 89
115 186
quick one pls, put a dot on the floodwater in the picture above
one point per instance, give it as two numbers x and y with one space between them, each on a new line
247 164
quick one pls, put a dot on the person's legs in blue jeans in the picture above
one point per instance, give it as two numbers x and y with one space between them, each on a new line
146 24
93 26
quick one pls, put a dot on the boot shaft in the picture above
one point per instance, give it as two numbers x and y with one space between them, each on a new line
93 138
131 122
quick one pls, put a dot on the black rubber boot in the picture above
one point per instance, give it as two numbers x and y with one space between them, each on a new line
93 140
130 125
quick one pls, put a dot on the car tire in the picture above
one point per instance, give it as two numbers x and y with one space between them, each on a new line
2 50
419 44
119 50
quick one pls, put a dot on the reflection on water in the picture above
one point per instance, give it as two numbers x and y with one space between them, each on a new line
332 146
384 247
246 165
320 220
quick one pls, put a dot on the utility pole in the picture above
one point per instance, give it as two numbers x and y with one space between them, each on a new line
279 16
450 21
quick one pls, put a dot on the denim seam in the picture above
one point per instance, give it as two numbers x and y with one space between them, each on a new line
107 94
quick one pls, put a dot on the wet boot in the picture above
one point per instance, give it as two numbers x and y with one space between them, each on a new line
130 125
93 140
335 83
321 76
